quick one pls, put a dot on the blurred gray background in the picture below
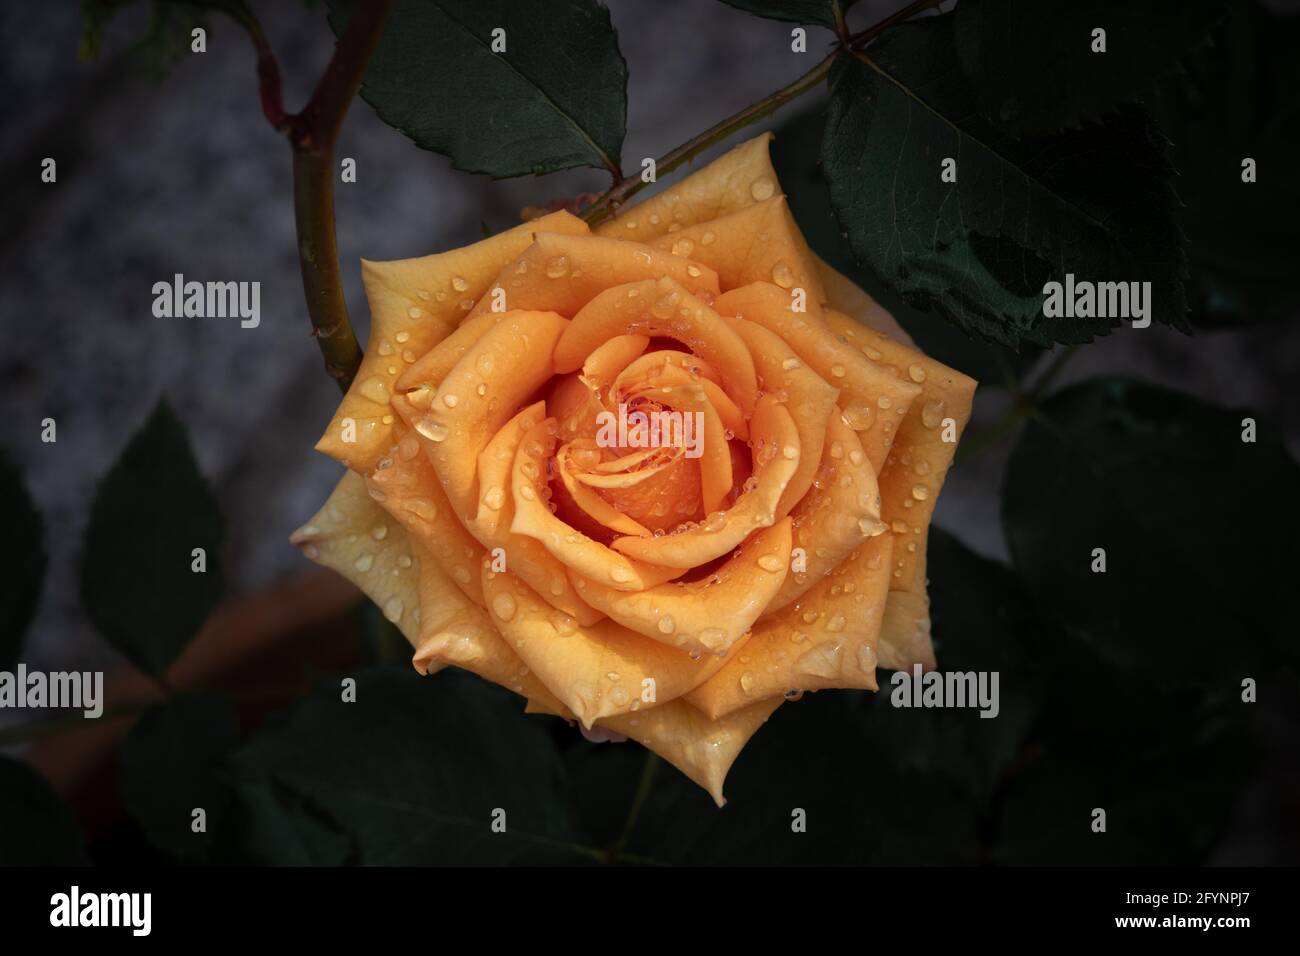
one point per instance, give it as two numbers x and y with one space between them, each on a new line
186 176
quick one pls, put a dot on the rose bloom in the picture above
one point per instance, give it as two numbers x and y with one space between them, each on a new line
670 593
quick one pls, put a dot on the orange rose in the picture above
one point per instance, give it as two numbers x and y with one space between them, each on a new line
507 508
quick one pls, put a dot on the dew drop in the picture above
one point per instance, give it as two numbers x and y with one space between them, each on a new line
782 275
932 414
374 389
393 608
432 429
503 606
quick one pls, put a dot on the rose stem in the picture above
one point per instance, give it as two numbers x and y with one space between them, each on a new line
625 188
312 134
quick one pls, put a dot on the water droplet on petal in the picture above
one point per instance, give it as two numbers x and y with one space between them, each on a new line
503 605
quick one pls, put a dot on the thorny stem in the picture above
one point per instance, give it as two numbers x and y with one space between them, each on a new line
906 13
625 188
312 134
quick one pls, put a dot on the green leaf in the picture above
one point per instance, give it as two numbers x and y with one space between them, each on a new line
1239 98
168 765
38 828
982 622
1033 64
272 824
556 98
795 156
410 773
150 512
165 41
22 567
1094 202
820 12
1201 530
814 755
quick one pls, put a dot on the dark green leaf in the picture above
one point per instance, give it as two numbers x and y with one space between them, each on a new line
817 756
1239 98
795 155
982 622
22 568
36 827
168 765
1034 67
1166 808
166 39
150 512
1201 530
556 98
1093 202
821 12
410 773
272 824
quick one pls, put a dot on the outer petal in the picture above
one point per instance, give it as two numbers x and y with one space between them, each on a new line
562 273
727 245
701 748
596 671
414 304
358 539
905 636
405 485
837 516
706 616
734 180
914 471
455 631
827 640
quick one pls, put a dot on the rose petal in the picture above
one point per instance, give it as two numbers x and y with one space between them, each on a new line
701 748
573 548
665 308
562 273
836 516
918 461
808 397
495 514
782 257
736 179
361 541
509 361
872 399
773 432
413 306
827 640
592 503
408 489
905 636
596 671
455 632
707 616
